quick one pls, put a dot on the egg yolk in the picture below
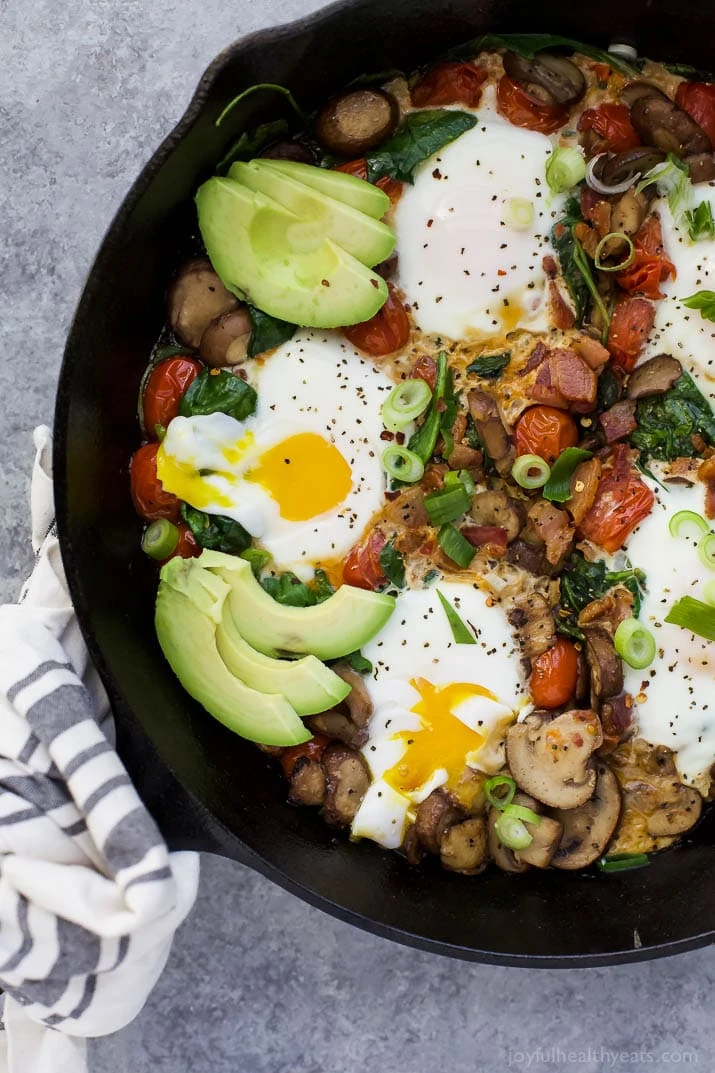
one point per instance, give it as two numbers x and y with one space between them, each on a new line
443 740
305 475
189 483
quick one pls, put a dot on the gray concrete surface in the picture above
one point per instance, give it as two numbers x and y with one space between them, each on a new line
258 982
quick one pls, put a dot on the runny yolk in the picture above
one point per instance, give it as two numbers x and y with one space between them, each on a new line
443 740
305 475
510 314
187 482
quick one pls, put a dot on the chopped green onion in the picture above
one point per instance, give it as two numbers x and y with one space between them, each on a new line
706 550
565 169
623 862
709 592
581 261
460 477
455 546
402 463
672 177
257 557
497 800
622 264
160 431
634 643
160 539
460 631
424 440
521 812
447 504
530 471
693 615
700 222
702 300
558 486
511 831
518 213
687 520
405 403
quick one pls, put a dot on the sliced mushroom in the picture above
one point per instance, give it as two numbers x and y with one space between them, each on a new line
545 835
358 700
627 165
414 850
659 122
702 167
434 815
307 782
463 846
604 663
529 557
584 486
588 830
409 509
502 856
617 720
552 760
633 92
347 780
629 212
608 611
490 429
195 299
546 79
533 620
670 807
226 339
336 723
286 149
654 376
356 121
499 509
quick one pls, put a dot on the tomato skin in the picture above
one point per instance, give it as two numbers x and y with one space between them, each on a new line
426 369
613 123
312 749
188 546
631 322
384 333
545 431
166 384
151 502
649 267
698 100
358 168
450 83
622 502
554 674
519 109
362 566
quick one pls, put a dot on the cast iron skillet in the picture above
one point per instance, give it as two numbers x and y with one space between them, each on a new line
207 789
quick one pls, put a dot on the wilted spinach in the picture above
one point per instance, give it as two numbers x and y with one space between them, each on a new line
290 590
267 332
490 366
217 391
422 134
392 564
216 531
668 422
582 582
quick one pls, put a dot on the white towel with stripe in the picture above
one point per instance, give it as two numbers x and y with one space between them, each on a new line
90 897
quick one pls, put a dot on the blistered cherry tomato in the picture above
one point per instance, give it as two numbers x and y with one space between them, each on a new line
698 100
312 750
554 674
613 123
362 566
622 502
425 368
520 110
187 547
450 83
546 432
631 323
384 333
392 187
151 502
166 384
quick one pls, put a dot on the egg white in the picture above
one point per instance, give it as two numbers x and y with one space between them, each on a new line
460 265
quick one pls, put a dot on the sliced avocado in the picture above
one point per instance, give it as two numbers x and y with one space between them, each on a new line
305 683
281 264
187 634
359 235
361 195
333 628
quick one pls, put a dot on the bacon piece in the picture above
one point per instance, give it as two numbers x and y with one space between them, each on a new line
544 389
536 357
616 719
592 352
573 378
562 315
706 473
619 421
553 527
479 535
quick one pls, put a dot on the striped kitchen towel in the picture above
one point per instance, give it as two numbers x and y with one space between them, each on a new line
90 897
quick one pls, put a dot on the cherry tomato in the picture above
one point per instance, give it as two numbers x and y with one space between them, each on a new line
312 749
649 267
151 502
392 187
698 100
554 674
384 333
166 384
187 547
613 123
631 323
622 502
426 369
362 566
545 431
450 83
522 111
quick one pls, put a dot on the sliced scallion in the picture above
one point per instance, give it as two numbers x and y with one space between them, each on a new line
402 463
634 643
518 213
565 168
511 831
624 262
623 862
405 403
455 546
492 790
530 471
424 440
160 539
460 631
558 486
447 504
706 550
693 615
257 557
686 523
463 477
521 812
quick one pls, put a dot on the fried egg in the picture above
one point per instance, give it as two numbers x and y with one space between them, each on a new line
438 706
463 269
303 474
675 698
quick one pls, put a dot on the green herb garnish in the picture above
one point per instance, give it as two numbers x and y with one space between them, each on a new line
421 135
702 300
490 366
460 631
392 564
217 391
215 531
668 422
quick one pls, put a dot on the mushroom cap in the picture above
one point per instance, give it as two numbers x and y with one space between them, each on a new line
503 857
434 816
551 759
195 298
587 830
545 835
463 846
670 807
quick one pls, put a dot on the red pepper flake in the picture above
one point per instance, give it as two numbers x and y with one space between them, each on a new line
501 272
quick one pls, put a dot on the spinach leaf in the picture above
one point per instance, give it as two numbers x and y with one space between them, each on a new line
271 87
290 590
565 244
217 391
422 134
169 350
392 564
252 141
667 422
582 582
702 300
257 557
216 531
490 366
267 332
358 662
686 70
529 44
608 392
